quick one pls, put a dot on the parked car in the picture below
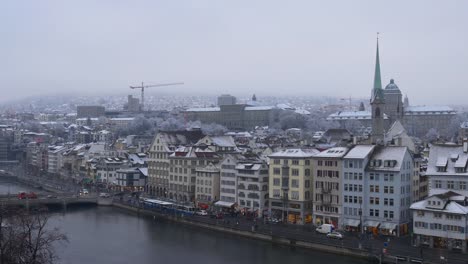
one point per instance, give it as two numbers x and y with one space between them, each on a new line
51 196
335 235
202 212
325 228
104 195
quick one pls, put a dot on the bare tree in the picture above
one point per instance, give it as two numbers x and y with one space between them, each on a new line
432 135
213 129
25 237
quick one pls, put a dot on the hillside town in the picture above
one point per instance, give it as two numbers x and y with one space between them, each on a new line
395 170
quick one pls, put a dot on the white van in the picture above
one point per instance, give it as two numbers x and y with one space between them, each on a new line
325 228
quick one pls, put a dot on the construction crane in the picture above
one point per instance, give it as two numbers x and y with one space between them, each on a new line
142 87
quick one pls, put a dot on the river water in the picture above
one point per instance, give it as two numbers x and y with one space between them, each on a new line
107 235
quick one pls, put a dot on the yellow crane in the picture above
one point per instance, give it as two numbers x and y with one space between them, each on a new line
142 87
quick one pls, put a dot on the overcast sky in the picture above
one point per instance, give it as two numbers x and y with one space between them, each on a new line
239 47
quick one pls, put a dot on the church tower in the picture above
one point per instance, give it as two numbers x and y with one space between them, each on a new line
377 104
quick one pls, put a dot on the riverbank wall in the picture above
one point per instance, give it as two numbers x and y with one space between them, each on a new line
254 235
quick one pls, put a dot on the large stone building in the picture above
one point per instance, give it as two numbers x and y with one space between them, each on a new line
90 111
416 119
234 116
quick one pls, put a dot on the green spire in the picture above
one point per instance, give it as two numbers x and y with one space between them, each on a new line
377 92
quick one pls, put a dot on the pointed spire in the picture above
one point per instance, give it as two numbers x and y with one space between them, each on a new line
377 92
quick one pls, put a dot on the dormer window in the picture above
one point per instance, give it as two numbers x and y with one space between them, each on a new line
442 164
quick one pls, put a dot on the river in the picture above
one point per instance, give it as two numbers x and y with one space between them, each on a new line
105 235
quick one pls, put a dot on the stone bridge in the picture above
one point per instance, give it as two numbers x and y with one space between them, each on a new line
60 201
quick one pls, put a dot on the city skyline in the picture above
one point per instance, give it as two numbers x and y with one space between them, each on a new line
236 48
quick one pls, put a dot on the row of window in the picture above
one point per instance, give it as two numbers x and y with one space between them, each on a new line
376 201
294 195
376 189
328 173
227 190
328 209
353 187
461 185
203 190
353 199
386 214
351 211
327 186
437 226
353 176
327 198
440 215
249 203
327 163
294 172
293 162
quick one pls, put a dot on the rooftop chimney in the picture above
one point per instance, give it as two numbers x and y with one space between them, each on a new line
465 145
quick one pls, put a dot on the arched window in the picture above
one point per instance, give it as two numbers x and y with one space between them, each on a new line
377 112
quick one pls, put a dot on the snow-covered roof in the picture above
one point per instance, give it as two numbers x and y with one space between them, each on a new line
96 148
258 108
461 162
295 153
122 119
439 156
144 171
248 166
302 112
336 152
358 115
423 109
451 207
389 153
223 141
360 152
285 107
206 109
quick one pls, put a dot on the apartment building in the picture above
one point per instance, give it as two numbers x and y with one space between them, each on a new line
327 180
228 183
388 191
252 188
354 185
207 184
441 221
182 171
446 169
164 144
290 185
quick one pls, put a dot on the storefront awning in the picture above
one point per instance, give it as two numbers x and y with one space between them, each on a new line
388 226
371 223
352 222
224 204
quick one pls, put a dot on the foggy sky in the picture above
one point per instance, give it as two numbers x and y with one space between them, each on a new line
238 47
